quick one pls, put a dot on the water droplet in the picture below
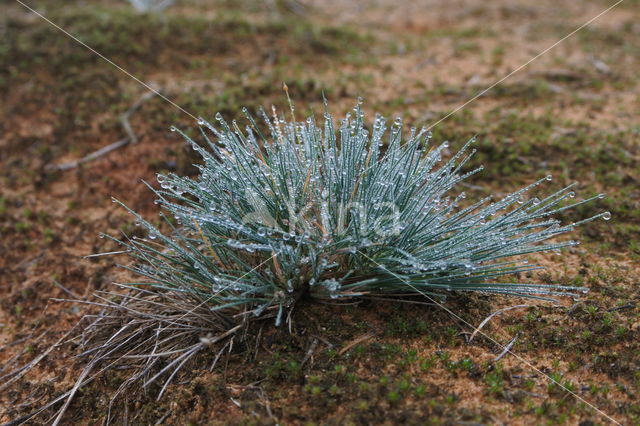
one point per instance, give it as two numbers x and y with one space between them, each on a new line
606 215
571 194
549 177
172 128
601 196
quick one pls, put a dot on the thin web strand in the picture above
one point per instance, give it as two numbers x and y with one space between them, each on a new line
525 64
108 60
429 127
504 347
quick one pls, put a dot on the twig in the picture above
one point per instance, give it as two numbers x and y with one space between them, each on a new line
66 290
573 308
23 370
323 340
124 118
310 352
414 302
165 417
356 341
506 349
487 319
131 138
7 364
258 337
23 419
265 401
96 154
620 308
16 342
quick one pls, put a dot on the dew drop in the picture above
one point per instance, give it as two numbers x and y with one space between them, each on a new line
606 215
172 128
571 194
601 196
549 177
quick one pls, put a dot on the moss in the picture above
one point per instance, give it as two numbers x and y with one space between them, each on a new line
144 42
401 361
22 227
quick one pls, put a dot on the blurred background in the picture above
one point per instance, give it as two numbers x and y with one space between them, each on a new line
572 113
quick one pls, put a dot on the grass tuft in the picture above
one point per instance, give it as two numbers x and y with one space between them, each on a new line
310 210
285 210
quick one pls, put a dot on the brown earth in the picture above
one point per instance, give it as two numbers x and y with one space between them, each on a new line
572 113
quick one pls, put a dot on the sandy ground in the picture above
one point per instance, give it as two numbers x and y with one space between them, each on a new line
572 113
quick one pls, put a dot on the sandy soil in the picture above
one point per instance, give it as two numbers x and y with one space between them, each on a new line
572 113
